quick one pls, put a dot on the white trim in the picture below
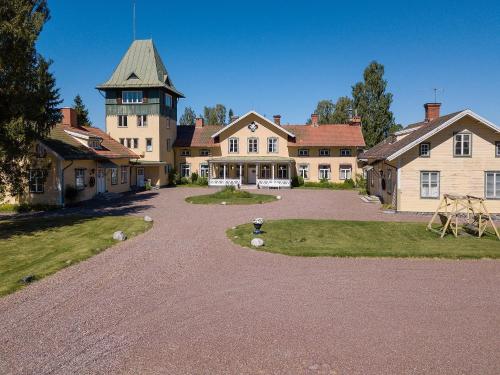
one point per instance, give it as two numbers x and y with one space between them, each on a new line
454 119
259 116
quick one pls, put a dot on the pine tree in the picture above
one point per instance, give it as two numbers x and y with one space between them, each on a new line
82 114
29 97
188 117
230 116
372 103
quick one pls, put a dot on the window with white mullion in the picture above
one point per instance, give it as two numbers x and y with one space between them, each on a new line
429 184
233 145
131 97
272 145
253 145
492 185
462 144
324 172
304 171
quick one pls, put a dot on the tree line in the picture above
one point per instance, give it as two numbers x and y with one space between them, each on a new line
216 115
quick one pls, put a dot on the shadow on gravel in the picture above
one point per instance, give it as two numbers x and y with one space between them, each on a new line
128 204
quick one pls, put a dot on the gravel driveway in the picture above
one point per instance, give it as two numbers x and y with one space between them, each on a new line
182 299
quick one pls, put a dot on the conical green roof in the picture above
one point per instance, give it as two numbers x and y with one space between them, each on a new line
140 67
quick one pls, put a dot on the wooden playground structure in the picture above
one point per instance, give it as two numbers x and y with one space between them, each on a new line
462 213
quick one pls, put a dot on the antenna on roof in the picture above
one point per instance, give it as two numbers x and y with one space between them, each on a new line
436 90
133 19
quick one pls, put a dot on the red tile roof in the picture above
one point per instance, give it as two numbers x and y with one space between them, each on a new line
71 149
326 135
191 136
305 135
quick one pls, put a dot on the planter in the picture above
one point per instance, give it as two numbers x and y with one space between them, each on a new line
257 227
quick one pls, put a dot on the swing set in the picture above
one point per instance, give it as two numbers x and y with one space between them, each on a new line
462 213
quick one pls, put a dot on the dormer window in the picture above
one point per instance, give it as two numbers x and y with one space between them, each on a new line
462 144
95 143
425 150
324 152
131 97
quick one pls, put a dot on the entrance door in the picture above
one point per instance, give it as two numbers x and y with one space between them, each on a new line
252 174
101 180
140 177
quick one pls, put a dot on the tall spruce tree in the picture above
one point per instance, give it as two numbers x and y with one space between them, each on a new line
29 97
372 103
188 117
230 116
82 113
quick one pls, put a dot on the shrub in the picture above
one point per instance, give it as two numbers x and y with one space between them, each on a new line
194 177
202 181
71 193
360 181
184 181
295 181
349 183
301 181
172 177
148 185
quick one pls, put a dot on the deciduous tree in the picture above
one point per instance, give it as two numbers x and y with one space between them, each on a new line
372 103
188 117
215 115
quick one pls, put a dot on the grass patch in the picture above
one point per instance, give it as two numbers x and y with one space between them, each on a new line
42 246
231 196
363 239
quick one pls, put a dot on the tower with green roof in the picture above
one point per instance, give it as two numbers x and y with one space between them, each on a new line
141 110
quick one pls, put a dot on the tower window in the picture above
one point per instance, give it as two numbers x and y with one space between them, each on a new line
130 97
168 100
149 144
142 121
122 121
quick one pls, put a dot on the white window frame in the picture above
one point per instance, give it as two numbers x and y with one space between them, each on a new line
344 152
324 152
94 143
142 121
424 153
462 136
124 174
345 172
272 145
324 172
265 171
150 147
122 121
426 178
80 178
303 152
132 97
129 142
233 145
496 181
135 142
497 149
185 167
204 170
185 152
36 181
253 145
304 171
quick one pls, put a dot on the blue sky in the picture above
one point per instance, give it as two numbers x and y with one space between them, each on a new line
281 57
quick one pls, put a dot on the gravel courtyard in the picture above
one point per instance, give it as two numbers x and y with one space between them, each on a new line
182 299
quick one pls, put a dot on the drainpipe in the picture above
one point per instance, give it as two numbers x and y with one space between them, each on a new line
62 182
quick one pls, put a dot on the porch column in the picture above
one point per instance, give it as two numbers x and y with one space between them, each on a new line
241 178
224 172
257 173
272 171
289 172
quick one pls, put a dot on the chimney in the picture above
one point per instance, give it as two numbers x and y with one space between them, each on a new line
69 117
355 120
431 111
277 119
234 118
199 122
314 119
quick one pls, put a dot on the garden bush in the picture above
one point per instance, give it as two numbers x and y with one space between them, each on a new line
194 177
184 181
202 181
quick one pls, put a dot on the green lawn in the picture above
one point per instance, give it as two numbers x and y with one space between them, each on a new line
231 196
42 246
363 239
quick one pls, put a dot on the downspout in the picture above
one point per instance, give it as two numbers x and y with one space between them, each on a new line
62 182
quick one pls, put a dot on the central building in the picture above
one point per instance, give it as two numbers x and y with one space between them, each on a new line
141 113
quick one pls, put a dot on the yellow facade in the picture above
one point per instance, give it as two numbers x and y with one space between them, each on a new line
457 174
